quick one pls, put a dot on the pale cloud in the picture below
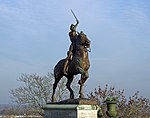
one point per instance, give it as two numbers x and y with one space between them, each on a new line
35 33
138 15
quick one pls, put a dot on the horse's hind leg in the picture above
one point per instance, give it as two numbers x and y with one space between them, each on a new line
54 88
70 79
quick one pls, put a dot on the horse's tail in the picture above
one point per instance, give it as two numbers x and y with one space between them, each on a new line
58 69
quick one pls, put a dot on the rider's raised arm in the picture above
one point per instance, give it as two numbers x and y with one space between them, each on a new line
77 22
75 18
75 26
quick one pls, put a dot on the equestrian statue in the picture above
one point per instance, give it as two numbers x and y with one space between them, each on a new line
76 62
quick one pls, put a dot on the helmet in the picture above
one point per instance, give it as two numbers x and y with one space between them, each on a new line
73 27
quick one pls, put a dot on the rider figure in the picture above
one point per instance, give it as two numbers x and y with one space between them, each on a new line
73 36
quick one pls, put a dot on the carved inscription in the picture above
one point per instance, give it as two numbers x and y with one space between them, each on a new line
87 113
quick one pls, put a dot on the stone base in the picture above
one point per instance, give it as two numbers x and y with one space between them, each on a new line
71 108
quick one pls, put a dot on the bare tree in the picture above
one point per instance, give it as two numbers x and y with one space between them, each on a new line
134 107
14 110
36 90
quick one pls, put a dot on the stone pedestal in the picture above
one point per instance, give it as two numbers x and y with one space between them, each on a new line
71 108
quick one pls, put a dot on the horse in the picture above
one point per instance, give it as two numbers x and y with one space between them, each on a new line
79 64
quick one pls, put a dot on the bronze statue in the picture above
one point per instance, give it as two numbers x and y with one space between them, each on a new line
73 36
77 62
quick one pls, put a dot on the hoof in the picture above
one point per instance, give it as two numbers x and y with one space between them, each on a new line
81 96
53 99
71 97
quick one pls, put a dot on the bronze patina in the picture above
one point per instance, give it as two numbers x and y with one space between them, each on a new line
77 62
73 36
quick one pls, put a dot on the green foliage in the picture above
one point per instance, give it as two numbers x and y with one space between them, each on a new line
134 107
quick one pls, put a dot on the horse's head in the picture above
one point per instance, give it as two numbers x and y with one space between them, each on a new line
85 41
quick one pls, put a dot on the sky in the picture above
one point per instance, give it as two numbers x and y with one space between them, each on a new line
34 37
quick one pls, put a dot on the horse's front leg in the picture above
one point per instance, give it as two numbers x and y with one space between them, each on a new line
81 95
81 83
